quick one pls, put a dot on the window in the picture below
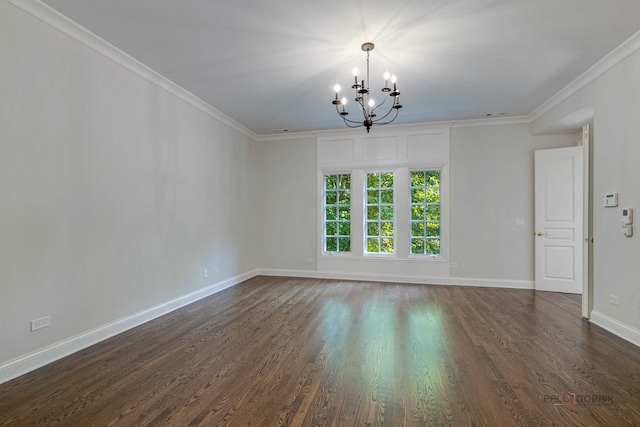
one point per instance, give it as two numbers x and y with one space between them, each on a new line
380 232
337 213
425 212
398 209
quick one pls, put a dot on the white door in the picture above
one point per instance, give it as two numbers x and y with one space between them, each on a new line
558 219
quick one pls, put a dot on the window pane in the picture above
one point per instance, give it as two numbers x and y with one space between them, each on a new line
433 195
417 246
417 195
345 182
330 213
432 178
433 229
344 214
386 196
417 212
372 245
332 197
432 246
417 179
386 245
417 229
386 229
373 196
345 228
373 180
344 244
331 228
373 229
386 180
373 212
331 244
330 181
433 212
344 197
386 212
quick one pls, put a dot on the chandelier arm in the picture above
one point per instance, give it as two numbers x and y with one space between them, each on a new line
386 123
347 120
352 126
388 112
352 121
384 99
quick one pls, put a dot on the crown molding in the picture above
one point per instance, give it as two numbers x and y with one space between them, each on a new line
288 136
493 121
616 56
60 22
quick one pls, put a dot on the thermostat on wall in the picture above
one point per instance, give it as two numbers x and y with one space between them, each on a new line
610 200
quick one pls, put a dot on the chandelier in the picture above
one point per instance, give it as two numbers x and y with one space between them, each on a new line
366 102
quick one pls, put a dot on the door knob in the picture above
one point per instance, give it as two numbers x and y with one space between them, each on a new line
540 233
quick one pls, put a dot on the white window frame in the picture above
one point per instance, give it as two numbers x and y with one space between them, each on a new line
398 152
365 219
409 218
323 215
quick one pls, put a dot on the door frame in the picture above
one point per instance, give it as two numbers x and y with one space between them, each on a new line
587 224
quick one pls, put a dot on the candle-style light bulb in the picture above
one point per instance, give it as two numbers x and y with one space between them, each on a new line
386 76
355 71
371 103
393 79
344 100
336 88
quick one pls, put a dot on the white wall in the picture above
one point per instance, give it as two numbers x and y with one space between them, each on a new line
286 186
115 193
614 98
492 185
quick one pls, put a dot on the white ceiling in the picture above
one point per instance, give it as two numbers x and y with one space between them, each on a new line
272 64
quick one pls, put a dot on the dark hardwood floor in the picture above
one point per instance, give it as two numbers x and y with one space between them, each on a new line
304 352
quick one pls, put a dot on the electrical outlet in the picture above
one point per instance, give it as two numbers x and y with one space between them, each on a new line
309 259
519 222
205 273
216 270
40 323
453 265
613 299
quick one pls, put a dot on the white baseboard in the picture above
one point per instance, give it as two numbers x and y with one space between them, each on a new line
492 283
34 360
354 276
287 273
390 278
616 327
423 280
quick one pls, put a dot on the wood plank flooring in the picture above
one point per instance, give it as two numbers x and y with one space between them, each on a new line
276 351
